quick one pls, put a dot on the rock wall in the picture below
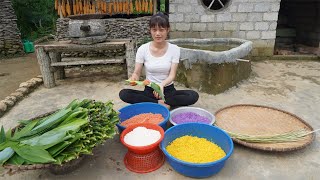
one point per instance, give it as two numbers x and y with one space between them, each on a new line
10 39
116 28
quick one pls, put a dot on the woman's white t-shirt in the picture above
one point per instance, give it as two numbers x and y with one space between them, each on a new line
157 68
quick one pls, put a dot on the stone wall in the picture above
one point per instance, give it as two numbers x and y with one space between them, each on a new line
254 20
10 40
116 28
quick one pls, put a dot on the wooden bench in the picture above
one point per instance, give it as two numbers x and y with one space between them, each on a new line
51 66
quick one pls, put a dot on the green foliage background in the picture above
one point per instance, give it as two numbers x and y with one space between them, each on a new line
36 18
162 5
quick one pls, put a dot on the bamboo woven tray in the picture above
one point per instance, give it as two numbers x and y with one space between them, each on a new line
262 120
53 168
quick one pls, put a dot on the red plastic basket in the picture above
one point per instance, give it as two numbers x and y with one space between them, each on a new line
142 149
144 163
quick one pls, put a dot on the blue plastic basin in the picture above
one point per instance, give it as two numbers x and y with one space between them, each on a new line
145 107
209 132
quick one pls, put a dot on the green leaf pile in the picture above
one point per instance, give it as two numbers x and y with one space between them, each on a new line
60 137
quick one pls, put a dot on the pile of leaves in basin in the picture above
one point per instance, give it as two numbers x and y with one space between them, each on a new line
60 137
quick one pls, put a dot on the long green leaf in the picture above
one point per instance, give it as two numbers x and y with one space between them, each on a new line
24 130
47 140
73 116
140 83
8 134
156 88
2 135
6 144
56 135
6 154
54 150
73 104
52 119
84 103
16 160
50 122
57 149
26 122
153 85
34 154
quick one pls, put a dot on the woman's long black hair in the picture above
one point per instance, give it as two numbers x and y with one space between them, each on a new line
159 20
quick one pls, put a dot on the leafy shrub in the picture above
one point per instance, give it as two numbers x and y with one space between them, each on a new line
35 18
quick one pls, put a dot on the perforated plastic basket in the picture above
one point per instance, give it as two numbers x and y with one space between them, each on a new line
144 163
143 159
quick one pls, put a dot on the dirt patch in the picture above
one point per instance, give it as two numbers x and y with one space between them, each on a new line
15 71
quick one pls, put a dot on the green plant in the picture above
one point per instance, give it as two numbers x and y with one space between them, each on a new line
162 5
35 18
61 137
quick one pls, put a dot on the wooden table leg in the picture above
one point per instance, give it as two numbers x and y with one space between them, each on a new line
56 57
44 62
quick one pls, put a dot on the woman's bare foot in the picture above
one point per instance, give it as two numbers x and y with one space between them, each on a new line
163 103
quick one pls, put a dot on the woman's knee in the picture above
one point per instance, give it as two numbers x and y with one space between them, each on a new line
194 97
124 94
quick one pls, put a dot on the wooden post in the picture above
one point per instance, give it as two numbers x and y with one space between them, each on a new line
155 6
59 9
130 57
56 57
44 62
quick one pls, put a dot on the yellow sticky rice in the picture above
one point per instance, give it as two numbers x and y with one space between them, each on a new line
195 150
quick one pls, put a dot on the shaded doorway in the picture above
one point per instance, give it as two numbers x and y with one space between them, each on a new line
298 28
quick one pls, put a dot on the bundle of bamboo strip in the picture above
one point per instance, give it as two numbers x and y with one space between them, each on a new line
66 8
56 4
151 6
131 6
104 7
291 136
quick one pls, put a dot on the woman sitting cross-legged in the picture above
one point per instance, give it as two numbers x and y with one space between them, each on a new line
161 60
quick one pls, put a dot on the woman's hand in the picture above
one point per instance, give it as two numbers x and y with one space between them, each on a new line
133 78
157 95
136 74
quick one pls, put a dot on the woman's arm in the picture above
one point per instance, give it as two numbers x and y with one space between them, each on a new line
137 72
172 75
139 63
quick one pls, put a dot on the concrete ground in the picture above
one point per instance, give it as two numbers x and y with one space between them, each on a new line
289 85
